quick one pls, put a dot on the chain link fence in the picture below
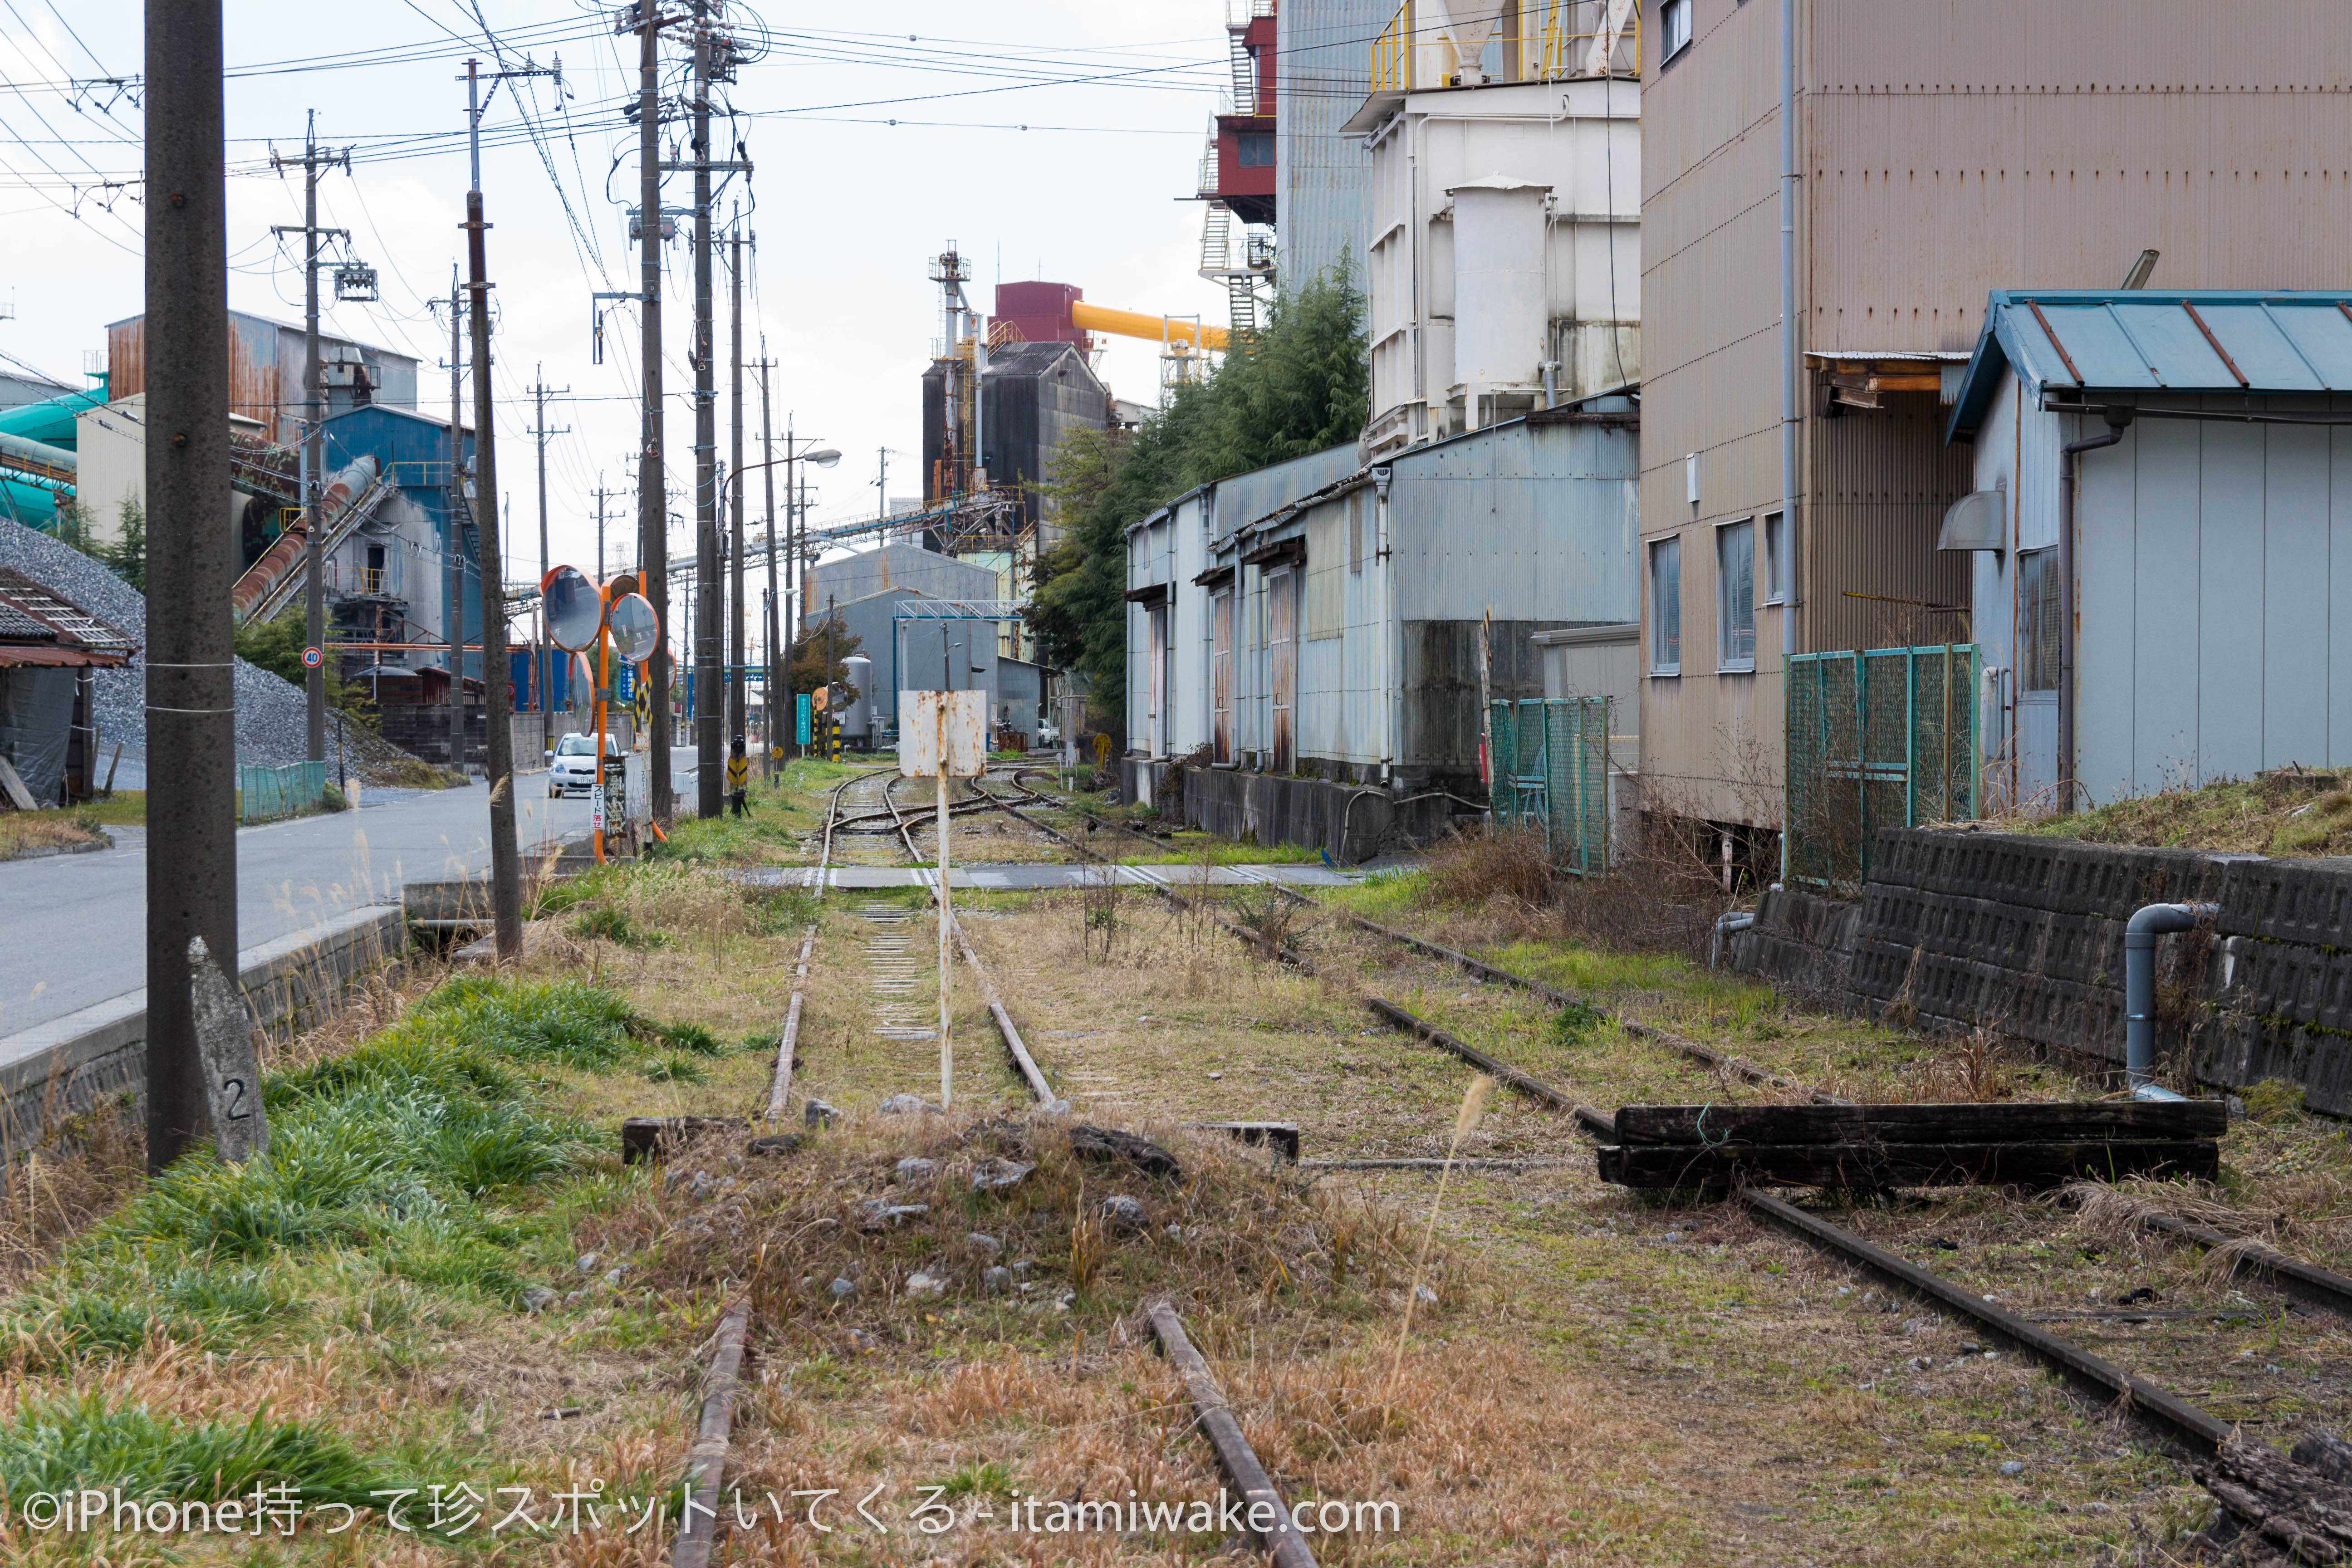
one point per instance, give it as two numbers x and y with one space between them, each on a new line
1550 766
1885 738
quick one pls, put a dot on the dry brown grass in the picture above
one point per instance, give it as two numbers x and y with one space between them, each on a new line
1506 864
782 1231
30 832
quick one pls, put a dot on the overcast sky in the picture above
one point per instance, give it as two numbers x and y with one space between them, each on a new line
846 207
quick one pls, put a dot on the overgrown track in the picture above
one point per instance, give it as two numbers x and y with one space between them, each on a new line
2175 1367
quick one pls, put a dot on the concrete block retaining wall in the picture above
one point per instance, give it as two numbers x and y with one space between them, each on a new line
2023 935
57 1070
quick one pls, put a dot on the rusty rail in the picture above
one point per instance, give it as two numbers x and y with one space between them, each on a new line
1284 1544
706 1462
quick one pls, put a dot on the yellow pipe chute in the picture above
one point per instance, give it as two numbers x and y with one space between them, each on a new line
1135 324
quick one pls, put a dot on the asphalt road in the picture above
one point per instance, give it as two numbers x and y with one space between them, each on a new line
73 927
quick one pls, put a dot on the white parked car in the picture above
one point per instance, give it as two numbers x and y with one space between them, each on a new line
571 767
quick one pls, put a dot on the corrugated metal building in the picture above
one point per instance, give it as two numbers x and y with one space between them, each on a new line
265 370
866 588
1322 177
1945 151
1334 631
2210 584
388 583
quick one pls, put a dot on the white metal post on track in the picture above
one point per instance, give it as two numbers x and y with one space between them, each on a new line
942 735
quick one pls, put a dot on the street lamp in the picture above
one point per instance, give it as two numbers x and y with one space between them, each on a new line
824 457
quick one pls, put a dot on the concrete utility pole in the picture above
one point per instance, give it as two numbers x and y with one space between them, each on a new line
506 886
601 495
453 611
738 676
314 596
191 702
709 710
776 697
541 676
653 492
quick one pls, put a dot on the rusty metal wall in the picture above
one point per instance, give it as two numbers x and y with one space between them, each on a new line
253 380
126 357
1947 151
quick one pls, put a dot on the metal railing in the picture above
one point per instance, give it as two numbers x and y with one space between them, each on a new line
1556 40
1550 767
264 794
1885 738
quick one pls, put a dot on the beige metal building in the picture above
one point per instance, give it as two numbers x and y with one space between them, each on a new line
1941 151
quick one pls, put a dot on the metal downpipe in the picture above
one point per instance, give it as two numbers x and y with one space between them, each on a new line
1791 383
2149 923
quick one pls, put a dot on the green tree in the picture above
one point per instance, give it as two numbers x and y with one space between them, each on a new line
126 555
1302 384
817 656
72 526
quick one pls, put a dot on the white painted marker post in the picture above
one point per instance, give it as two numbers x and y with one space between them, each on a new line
942 735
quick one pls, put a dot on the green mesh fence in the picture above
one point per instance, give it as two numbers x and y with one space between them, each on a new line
1551 774
266 793
1885 738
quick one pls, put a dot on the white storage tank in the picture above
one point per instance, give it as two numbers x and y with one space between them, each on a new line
857 723
1499 314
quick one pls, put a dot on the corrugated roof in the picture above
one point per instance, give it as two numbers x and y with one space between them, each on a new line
2074 341
39 625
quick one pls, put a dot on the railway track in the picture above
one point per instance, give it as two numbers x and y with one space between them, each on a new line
2190 1385
887 954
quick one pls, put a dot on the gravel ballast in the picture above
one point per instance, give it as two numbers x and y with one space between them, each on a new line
271 717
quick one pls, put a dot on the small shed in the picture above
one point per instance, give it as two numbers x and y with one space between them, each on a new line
2161 535
49 647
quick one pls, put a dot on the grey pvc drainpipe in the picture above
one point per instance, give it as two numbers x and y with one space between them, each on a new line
1792 374
2149 923
1726 926
2119 418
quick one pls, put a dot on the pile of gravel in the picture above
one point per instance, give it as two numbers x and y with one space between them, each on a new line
272 715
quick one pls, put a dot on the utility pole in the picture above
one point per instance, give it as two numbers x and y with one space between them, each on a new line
453 614
807 583
505 886
775 706
653 492
709 709
541 676
601 493
738 681
191 702
314 596
881 480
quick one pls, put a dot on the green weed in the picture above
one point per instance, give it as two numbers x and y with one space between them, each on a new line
54 1445
2272 1100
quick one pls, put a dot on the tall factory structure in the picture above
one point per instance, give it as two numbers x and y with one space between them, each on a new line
1000 395
1237 188
1285 193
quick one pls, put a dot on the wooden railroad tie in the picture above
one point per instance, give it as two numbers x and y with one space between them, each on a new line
2032 1144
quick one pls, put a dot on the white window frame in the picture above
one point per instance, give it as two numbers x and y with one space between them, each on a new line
1666 608
1674 28
1730 602
1778 562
